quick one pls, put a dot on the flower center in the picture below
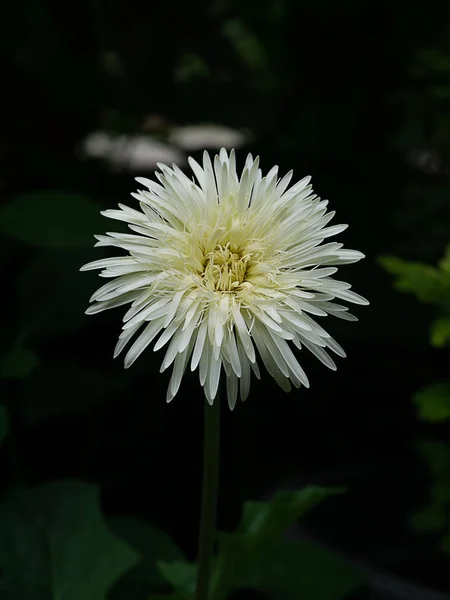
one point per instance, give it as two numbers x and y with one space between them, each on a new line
225 268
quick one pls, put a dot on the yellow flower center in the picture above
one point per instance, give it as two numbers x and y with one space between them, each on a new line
225 268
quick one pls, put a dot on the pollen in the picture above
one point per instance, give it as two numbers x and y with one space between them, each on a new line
225 268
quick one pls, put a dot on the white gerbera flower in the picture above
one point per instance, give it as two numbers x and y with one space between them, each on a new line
221 266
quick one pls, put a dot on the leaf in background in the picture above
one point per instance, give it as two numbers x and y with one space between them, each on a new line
437 455
245 44
446 543
444 263
51 219
54 543
260 528
4 423
440 491
153 545
82 389
181 575
424 281
52 292
433 402
190 67
429 519
19 362
435 516
294 569
440 332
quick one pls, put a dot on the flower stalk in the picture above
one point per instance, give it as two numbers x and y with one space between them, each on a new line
211 451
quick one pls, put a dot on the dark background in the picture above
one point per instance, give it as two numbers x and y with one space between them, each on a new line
339 91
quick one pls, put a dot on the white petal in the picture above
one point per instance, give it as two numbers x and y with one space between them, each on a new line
320 354
349 296
335 347
145 313
289 358
108 262
204 363
172 308
214 376
272 349
165 336
101 306
245 371
232 389
186 334
243 334
124 338
230 344
146 337
179 368
199 343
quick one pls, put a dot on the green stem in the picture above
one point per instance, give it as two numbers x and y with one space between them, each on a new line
209 497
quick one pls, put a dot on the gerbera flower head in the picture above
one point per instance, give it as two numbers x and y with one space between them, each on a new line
225 268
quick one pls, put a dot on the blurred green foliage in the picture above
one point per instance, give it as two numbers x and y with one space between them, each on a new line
428 284
154 546
432 286
19 362
254 556
433 402
434 517
54 543
51 219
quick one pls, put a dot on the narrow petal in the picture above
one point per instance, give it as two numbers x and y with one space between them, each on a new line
232 389
146 337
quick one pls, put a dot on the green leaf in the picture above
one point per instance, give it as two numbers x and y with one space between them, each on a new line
433 402
440 491
294 569
440 332
429 519
54 543
437 455
181 575
261 527
51 219
433 59
19 362
153 545
53 293
4 423
440 92
446 543
82 388
190 67
444 263
245 44
424 281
